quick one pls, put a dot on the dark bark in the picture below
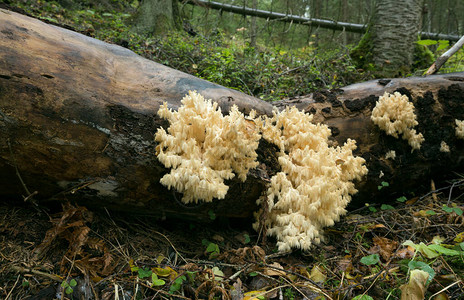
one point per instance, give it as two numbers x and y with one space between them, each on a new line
77 119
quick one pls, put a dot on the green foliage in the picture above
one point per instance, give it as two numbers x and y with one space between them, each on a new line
386 207
382 185
362 297
176 285
68 286
402 199
212 249
211 215
453 209
370 259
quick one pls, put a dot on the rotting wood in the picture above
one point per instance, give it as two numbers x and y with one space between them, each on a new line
80 115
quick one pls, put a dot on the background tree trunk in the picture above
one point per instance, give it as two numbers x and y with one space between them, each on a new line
157 17
77 119
395 26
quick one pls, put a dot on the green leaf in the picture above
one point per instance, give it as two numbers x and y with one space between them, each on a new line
458 211
25 284
370 259
72 283
212 247
372 209
447 209
107 14
430 212
461 245
386 207
144 273
426 42
402 199
253 274
412 265
246 238
445 251
69 290
385 184
64 284
212 215
155 281
442 46
362 297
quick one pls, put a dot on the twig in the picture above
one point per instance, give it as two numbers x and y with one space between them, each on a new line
14 285
444 57
444 289
37 272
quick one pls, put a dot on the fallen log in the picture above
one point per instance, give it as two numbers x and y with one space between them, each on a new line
77 119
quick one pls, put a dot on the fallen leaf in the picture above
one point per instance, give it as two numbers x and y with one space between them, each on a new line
253 295
273 272
317 274
416 287
386 247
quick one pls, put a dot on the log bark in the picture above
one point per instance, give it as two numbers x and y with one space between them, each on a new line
77 119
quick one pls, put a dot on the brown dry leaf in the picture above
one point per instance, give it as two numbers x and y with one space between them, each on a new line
416 287
345 264
405 253
273 272
386 247
412 201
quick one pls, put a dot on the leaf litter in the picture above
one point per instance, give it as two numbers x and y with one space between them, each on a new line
410 252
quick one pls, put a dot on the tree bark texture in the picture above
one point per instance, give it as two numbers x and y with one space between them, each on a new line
157 17
78 116
394 33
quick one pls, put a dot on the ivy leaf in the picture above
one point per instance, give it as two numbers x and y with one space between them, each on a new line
370 259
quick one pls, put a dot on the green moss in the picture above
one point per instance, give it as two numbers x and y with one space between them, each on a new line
423 57
362 53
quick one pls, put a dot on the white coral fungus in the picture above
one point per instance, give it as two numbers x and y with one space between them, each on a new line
394 114
460 129
444 147
204 148
315 183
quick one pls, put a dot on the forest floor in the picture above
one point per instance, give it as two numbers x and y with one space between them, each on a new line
70 252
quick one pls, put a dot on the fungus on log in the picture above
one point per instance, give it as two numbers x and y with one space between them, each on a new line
78 118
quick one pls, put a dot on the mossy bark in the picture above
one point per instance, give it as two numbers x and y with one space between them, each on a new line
156 17
388 47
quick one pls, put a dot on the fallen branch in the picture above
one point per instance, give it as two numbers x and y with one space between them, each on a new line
444 57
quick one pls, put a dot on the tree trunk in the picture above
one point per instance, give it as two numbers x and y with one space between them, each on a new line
394 33
77 119
156 17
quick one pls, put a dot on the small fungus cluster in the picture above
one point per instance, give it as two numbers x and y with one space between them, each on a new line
460 129
203 148
394 114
